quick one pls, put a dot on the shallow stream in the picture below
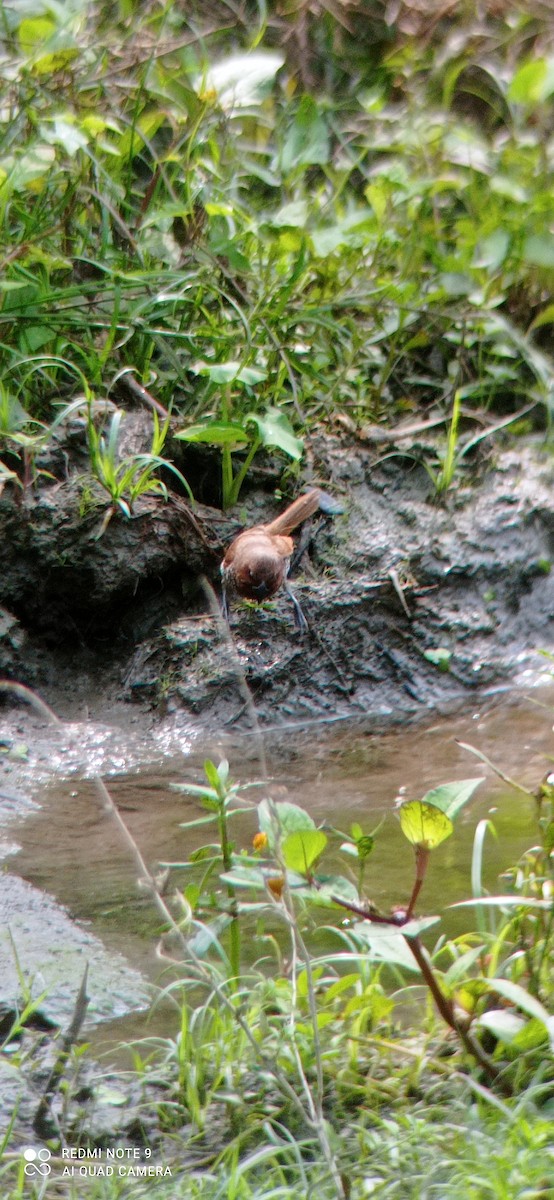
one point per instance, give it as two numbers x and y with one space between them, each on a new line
70 848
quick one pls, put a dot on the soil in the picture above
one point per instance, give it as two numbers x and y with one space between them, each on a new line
412 604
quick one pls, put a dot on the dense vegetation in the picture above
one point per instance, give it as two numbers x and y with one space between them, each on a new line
351 225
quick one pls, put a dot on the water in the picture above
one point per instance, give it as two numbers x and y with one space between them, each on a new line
71 848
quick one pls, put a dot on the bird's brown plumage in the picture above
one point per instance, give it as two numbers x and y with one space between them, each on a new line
256 563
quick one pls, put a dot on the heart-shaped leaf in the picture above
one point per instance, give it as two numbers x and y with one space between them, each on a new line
303 848
424 824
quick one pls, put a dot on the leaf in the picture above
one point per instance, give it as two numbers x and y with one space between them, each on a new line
451 797
302 849
533 82
424 824
522 999
207 936
546 317
504 902
294 215
413 929
275 429
385 944
307 141
33 32
290 818
538 249
503 1024
492 250
240 79
246 877
211 773
229 372
28 170
215 433
331 886
440 658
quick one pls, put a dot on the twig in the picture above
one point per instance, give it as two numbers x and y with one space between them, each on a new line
41 1124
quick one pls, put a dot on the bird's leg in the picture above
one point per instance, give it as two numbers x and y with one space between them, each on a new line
224 601
299 618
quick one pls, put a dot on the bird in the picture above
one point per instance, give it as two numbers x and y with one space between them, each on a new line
256 564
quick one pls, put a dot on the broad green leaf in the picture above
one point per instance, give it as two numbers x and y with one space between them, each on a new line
522 999
294 214
302 849
377 196
329 886
67 134
192 894
364 846
246 877
229 372
307 140
504 1024
492 250
34 32
385 944
424 824
209 851
461 967
215 433
538 249
531 1036
29 169
533 82
49 64
110 1096
241 79
451 797
275 429
290 818
415 928
441 658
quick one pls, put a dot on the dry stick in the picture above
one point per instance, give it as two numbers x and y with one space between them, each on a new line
40 1120
315 1116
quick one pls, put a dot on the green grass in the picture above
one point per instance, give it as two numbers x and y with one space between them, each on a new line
372 245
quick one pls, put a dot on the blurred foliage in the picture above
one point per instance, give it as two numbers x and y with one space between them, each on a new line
353 200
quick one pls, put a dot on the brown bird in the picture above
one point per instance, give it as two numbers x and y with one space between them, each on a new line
256 564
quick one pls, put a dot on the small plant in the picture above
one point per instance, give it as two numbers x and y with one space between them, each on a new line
125 480
252 432
19 437
221 798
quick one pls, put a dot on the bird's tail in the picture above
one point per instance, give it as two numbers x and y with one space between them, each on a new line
296 512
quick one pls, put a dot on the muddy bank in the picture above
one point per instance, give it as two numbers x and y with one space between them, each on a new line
412 604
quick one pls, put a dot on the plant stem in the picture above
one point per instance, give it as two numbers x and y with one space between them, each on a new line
226 458
240 476
226 856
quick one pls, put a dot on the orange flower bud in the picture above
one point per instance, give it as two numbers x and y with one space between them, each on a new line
276 885
259 841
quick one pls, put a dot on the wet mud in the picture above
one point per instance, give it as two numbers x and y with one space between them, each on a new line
412 604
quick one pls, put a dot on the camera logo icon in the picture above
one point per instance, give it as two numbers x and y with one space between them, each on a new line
37 1162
